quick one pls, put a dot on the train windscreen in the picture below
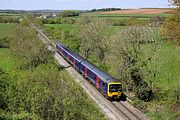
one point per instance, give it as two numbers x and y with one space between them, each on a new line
115 88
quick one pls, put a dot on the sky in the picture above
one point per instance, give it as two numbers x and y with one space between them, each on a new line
80 4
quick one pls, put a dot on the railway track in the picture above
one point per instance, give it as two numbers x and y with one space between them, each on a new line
127 113
111 109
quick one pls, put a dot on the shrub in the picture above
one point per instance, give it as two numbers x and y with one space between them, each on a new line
4 42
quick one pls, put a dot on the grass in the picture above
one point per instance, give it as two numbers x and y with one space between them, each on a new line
6 60
168 64
64 27
5 28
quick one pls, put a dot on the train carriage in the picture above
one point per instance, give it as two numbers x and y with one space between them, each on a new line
109 86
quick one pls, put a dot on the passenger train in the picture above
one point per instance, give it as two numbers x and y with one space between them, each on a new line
106 84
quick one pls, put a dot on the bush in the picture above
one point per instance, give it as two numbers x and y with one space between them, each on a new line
4 42
171 30
47 93
69 13
4 83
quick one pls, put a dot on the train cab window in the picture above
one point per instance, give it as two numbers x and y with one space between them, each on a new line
115 88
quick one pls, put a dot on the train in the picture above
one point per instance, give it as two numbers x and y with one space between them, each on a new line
105 83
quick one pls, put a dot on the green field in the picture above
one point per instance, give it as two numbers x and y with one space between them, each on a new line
9 14
64 27
5 28
125 16
6 61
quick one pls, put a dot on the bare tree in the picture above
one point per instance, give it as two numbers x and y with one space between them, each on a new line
94 33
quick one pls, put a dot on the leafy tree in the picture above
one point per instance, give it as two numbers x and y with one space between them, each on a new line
26 45
127 50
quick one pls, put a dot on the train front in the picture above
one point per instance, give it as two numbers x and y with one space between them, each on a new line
114 90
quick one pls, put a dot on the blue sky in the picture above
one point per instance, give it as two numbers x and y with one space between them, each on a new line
79 4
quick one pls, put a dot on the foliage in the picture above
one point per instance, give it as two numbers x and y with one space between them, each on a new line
129 42
94 33
171 27
62 27
105 9
28 47
4 82
7 19
68 13
4 42
45 93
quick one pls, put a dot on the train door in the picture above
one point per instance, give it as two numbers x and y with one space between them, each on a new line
86 72
97 81
68 56
74 63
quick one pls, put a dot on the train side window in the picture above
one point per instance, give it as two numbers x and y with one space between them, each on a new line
89 74
83 68
71 59
103 84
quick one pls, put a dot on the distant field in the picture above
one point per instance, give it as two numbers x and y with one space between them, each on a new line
64 27
9 14
125 16
143 14
5 28
139 11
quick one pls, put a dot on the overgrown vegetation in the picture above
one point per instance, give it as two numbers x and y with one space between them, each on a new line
69 13
9 19
36 88
171 27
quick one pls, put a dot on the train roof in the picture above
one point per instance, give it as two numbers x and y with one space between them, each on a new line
99 72
75 55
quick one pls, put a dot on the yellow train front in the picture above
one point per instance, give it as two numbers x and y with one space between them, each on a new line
114 90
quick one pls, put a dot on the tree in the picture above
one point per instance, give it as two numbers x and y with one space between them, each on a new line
171 27
69 13
94 33
26 45
127 48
